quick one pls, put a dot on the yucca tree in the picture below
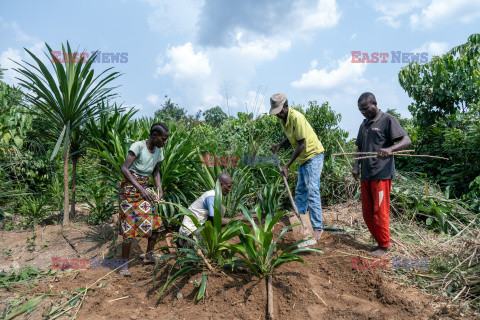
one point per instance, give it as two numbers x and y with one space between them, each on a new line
109 138
66 99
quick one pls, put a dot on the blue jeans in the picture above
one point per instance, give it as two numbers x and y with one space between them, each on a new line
307 194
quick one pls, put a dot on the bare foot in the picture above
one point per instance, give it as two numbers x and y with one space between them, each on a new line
318 234
380 252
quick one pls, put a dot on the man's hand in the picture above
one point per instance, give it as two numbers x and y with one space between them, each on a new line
275 148
383 153
146 195
355 173
284 171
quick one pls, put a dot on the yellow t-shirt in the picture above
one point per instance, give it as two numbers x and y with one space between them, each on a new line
298 128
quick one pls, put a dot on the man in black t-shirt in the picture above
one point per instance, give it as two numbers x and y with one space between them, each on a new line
378 133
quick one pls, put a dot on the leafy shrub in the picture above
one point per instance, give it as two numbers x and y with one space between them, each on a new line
101 204
34 209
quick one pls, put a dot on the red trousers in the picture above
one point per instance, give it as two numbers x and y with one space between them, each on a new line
376 209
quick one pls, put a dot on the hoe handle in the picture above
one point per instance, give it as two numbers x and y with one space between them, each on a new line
288 189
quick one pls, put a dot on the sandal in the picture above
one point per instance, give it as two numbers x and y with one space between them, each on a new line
124 272
150 258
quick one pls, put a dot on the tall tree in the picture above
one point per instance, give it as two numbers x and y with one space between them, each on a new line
215 116
170 111
445 84
446 114
66 99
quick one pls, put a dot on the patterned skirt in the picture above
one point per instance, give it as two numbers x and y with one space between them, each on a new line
136 221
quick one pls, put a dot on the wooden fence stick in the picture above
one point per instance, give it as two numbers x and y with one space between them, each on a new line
406 155
270 314
355 153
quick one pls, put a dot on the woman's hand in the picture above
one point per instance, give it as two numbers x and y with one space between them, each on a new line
146 195
160 194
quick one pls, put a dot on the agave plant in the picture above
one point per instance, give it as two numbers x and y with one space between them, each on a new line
101 204
269 198
34 208
208 253
177 170
258 249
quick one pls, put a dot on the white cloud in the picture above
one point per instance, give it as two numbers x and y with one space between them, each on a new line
446 11
433 48
153 99
353 36
234 40
324 16
397 8
344 100
346 74
5 63
220 22
192 74
185 63
207 76
391 21
169 17
393 10
33 44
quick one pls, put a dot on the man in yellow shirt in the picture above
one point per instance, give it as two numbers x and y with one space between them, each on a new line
309 154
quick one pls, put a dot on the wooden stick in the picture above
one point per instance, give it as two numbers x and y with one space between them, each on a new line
270 314
86 289
209 266
406 155
355 153
320 298
119 298
289 192
80 305
71 244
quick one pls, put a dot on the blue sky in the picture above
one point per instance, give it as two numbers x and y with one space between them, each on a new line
236 54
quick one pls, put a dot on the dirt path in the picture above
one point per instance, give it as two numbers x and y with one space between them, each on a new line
326 288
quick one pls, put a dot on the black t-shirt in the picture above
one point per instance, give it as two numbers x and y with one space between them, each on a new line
374 135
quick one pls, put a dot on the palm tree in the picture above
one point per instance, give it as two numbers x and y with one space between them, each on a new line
66 99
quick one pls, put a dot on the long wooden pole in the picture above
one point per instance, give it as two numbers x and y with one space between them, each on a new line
270 314
355 153
405 155
289 192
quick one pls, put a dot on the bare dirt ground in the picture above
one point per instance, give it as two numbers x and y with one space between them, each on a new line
326 288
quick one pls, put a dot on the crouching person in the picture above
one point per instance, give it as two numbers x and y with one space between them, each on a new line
203 210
